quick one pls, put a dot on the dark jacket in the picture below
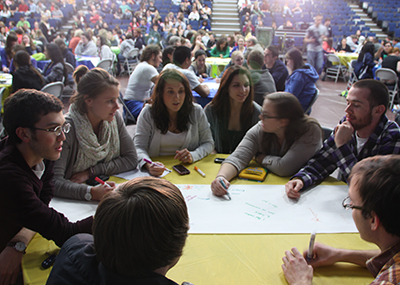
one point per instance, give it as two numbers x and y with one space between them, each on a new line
25 199
280 73
23 77
363 69
53 72
77 264
69 57
301 83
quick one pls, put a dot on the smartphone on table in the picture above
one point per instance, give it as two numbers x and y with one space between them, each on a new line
182 170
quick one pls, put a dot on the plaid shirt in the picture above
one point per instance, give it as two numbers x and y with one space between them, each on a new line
384 140
386 266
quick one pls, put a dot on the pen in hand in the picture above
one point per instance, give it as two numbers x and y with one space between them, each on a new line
223 185
154 163
102 182
311 246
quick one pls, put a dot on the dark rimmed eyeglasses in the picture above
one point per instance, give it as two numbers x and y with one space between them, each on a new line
264 117
56 130
347 204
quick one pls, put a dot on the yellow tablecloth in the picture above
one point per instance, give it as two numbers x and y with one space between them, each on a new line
230 259
8 85
217 65
345 58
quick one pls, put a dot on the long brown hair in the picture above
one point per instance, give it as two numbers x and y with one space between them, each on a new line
221 102
287 106
159 110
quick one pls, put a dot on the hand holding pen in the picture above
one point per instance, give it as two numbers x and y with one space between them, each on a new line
155 168
220 186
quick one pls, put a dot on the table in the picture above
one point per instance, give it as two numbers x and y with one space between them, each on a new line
230 259
203 101
89 61
345 58
217 65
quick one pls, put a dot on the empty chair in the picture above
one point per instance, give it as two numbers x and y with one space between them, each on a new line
132 60
336 69
315 96
54 88
106 64
390 79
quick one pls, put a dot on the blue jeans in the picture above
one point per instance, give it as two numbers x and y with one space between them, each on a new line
316 60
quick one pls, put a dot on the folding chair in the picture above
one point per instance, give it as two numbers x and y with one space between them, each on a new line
69 67
390 79
106 64
127 113
352 76
55 88
314 98
132 60
336 69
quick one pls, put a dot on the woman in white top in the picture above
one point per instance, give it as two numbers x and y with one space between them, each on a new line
194 15
172 124
142 79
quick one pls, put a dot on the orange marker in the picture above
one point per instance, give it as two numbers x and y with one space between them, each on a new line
199 171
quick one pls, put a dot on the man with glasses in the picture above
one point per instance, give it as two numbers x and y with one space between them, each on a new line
365 131
36 130
276 67
374 198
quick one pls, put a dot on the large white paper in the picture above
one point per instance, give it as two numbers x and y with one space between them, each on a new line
266 209
254 209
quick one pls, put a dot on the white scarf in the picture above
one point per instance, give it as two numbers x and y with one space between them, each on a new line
93 150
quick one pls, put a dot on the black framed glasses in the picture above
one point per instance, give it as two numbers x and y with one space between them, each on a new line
347 204
56 130
264 117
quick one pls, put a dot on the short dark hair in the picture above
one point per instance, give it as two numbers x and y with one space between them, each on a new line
378 184
378 92
140 227
180 54
199 53
149 51
255 59
25 108
274 51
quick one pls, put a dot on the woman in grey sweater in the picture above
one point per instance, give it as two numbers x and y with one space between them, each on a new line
282 142
98 143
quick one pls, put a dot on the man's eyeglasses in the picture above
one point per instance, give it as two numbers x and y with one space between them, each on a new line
264 116
347 204
56 130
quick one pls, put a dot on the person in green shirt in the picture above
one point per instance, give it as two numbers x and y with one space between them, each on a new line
22 22
221 49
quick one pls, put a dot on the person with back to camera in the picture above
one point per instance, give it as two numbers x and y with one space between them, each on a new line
26 76
232 112
139 233
55 70
374 198
98 143
365 62
282 142
172 124
142 79
302 78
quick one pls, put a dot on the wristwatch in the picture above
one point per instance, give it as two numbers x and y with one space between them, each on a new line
19 246
88 195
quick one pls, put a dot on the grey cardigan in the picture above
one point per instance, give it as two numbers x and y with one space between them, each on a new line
148 137
63 167
283 165
218 128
